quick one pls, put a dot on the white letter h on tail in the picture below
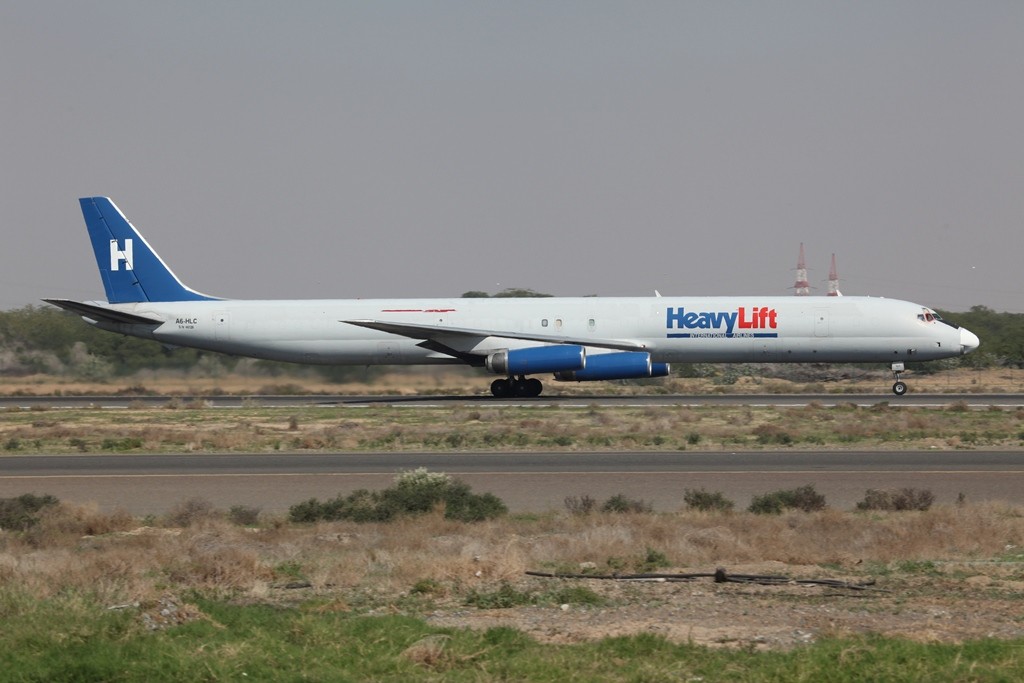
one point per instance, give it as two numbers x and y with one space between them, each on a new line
118 255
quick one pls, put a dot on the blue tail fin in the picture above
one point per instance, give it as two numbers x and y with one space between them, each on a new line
130 269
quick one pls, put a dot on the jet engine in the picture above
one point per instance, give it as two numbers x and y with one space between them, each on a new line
536 359
624 365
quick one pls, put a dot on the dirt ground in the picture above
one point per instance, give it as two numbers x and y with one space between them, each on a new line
956 603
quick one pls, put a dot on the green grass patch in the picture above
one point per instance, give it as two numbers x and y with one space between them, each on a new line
72 639
925 567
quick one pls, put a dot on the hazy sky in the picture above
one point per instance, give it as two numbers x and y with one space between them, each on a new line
396 149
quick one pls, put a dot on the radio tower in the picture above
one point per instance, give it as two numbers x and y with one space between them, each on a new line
802 286
833 279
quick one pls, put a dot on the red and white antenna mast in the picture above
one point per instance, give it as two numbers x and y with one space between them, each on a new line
833 279
802 287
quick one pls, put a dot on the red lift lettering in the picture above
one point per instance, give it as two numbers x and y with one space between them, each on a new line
761 318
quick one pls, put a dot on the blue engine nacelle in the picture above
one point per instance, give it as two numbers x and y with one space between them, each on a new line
625 365
561 358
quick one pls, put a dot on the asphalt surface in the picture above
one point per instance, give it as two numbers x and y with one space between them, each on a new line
527 482
908 400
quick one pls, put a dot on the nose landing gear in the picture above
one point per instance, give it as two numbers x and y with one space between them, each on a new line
900 387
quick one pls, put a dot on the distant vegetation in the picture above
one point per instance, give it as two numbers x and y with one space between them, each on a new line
507 293
1001 334
42 339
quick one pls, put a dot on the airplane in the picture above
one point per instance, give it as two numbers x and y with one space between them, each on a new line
578 339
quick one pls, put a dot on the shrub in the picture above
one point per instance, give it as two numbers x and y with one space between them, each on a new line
308 511
767 504
415 492
653 559
897 500
56 521
475 507
507 596
572 595
362 505
128 443
244 515
419 491
804 498
189 512
504 597
772 434
581 506
621 503
22 513
706 501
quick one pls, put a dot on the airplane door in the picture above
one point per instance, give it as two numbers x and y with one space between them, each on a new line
821 322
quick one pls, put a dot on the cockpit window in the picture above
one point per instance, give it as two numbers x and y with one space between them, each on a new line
931 316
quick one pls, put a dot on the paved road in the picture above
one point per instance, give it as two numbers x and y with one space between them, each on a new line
909 400
152 484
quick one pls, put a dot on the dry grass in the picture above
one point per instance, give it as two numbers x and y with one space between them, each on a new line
528 427
110 557
948 575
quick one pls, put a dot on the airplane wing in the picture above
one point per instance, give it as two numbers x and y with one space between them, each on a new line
441 338
111 315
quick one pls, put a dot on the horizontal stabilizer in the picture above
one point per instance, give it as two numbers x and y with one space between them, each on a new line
103 313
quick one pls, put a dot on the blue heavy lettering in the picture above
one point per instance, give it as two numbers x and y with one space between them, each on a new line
680 318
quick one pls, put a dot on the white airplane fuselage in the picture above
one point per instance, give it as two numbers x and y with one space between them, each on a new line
672 329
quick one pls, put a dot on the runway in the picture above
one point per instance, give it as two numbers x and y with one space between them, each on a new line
527 482
911 400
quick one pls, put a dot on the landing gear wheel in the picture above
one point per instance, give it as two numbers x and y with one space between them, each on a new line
501 388
525 388
519 387
900 387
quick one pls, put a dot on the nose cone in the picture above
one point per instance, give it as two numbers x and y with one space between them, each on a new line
968 341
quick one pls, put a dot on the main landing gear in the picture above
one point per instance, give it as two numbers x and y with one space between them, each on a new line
518 387
900 387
